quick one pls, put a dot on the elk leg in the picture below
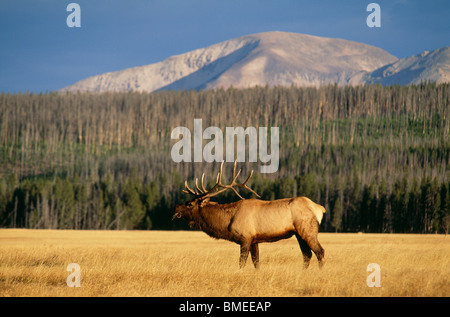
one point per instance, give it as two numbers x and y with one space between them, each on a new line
245 249
254 250
318 250
320 253
306 250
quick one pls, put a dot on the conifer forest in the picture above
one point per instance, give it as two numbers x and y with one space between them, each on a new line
377 158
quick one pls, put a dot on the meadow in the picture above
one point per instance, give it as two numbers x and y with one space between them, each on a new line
189 263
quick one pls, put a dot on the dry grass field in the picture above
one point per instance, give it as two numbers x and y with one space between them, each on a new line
158 263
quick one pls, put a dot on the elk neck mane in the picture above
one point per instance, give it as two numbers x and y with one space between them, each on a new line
214 218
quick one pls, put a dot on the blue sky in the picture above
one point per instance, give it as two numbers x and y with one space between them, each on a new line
39 53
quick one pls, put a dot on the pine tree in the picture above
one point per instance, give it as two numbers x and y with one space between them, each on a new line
384 208
133 208
337 215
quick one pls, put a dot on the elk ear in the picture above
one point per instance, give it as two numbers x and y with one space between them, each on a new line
203 202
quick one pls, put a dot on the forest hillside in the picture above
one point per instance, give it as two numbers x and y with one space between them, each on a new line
376 157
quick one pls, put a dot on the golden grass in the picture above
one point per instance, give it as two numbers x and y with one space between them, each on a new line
158 263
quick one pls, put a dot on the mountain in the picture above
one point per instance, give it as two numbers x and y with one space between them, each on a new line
433 66
274 58
279 58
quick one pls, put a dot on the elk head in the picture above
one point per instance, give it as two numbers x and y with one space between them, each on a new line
189 210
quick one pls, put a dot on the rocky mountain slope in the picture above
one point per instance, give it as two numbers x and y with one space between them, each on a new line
274 58
433 66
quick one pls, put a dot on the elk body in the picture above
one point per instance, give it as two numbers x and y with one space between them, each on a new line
249 222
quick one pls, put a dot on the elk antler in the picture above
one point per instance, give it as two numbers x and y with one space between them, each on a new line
201 192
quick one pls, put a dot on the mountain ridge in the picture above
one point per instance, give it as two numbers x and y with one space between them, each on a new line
268 58
427 66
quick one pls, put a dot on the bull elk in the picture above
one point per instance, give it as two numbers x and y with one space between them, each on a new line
249 222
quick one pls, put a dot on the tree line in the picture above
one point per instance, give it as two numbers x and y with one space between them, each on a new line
376 157
75 203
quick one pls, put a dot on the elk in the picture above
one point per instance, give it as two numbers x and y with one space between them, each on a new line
249 222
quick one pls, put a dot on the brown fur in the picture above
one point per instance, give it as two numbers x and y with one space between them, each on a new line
252 221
